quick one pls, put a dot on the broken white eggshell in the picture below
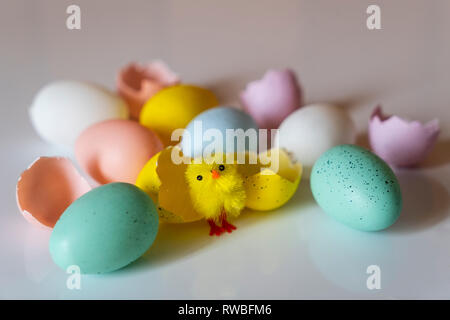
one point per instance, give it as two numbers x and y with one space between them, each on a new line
400 142
47 188
63 109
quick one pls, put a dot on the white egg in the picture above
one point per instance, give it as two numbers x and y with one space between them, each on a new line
312 130
63 109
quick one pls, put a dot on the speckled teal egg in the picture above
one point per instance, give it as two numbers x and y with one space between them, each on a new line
357 188
105 229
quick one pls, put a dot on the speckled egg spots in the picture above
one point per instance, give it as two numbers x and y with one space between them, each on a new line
261 187
268 190
105 229
357 188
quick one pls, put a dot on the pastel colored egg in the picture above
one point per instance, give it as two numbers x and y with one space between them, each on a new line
271 188
47 188
116 150
312 130
399 142
63 109
357 188
201 132
137 83
172 108
270 100
105 229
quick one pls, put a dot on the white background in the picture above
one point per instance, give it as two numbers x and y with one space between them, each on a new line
294 252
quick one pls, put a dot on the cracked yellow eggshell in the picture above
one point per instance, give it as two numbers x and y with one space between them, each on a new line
174 201
148 180
268 190
174 194
164 181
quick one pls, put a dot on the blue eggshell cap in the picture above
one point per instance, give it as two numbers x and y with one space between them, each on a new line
198 135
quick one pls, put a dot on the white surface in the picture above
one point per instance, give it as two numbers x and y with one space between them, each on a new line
295 252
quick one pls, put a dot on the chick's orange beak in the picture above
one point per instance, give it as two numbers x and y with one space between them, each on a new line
215 174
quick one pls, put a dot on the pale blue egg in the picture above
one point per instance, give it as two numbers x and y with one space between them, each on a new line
105 229
216 127
357 188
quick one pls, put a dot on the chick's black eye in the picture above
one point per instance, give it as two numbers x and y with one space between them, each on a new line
199 178
221 167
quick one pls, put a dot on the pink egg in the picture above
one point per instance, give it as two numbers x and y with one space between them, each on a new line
116 150
47 188
137 83
270 100
400 142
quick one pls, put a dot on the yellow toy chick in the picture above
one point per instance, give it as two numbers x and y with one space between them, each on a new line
217 192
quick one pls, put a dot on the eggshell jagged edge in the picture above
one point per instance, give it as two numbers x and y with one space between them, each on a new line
46 188
269 190
152 77
149 181
412 140
266 190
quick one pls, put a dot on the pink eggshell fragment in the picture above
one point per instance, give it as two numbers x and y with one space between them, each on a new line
400 142
47 188
116 150
137 83
270 100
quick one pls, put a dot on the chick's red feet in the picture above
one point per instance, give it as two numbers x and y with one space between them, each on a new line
228 227
218 230
215 229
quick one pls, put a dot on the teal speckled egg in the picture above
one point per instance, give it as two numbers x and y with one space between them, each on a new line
357 188
105 229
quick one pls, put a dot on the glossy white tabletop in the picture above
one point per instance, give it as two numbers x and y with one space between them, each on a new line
291 253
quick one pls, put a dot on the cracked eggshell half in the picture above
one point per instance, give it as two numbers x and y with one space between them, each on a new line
137 83
174 196
271 99
196 139
148 180
400 142
47 188
276 182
